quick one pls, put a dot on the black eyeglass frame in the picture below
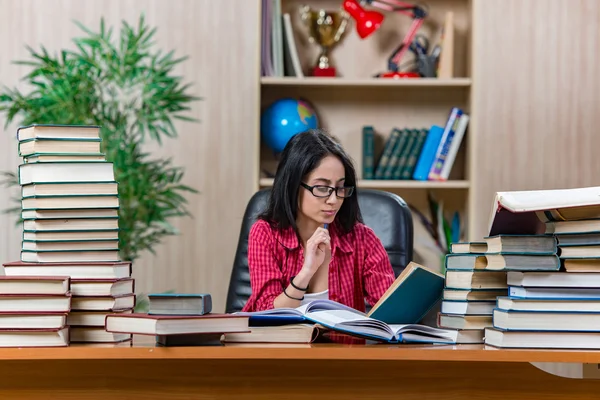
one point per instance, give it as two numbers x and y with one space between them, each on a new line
331 190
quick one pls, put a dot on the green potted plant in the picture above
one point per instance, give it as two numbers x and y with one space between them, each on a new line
129 89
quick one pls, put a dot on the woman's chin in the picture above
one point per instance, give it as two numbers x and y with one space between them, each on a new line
327 219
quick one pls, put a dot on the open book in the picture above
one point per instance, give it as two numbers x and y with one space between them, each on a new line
341 318
412 295
525 212
278 316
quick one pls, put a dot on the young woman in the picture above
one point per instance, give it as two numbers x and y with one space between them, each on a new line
311 242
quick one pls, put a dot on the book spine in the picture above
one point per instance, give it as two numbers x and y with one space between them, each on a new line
368 158
401 144
428 153
387 152
463 121
403 155
446 142
408 169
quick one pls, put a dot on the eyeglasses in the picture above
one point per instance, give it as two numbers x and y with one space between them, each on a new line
325 191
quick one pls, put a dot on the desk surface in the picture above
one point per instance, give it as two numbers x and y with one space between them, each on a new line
141 371
143 348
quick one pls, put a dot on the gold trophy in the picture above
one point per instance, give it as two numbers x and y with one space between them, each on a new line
325 28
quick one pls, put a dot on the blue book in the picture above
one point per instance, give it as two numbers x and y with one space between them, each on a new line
427 156
412 295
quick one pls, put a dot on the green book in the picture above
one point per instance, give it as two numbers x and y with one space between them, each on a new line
368 152
413 155
395 156
412 135
412 295
387 152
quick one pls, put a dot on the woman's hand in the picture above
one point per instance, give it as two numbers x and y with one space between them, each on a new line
316 254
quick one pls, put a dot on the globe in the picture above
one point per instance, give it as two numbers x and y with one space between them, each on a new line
284 119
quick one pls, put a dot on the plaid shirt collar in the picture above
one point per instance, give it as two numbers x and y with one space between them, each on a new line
288 239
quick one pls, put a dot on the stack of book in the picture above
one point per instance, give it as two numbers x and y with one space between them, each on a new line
33 311
470 289
550 306
70 206
178 319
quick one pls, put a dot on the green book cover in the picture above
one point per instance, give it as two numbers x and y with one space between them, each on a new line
395 156
368 153
404 155
414 154
387 152
412 295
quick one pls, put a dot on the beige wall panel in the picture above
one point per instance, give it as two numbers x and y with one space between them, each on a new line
536 98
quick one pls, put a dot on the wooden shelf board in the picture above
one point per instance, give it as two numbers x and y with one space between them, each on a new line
396 184
368 82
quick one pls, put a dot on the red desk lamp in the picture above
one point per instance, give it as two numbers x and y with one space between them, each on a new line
368 21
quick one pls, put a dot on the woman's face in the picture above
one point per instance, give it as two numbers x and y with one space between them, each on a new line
322 210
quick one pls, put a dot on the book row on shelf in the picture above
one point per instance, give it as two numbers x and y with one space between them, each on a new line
422 154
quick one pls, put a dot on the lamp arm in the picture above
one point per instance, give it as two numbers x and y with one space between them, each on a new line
416 12
394 60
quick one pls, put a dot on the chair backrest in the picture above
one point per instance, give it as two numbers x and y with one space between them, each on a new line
386 213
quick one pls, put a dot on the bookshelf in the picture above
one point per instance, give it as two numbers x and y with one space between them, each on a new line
355 98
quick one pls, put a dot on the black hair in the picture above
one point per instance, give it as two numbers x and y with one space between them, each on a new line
301 155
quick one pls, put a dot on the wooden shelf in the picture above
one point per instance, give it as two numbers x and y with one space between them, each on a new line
396 184
368 82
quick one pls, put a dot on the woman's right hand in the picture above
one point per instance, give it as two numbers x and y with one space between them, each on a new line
317 252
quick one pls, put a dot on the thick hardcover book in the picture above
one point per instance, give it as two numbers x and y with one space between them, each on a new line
416 290
526 212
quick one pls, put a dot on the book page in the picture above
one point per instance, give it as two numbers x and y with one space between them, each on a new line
275 312
322 305
351 322
421 329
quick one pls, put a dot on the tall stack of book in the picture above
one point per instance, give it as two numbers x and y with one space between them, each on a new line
476 279
70 206
560 307
470 290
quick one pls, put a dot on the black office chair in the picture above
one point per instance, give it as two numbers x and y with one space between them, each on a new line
386 213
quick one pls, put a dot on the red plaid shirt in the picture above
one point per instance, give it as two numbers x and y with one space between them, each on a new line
359 269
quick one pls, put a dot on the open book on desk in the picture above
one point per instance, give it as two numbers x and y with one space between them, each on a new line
357 324
341 318
279 316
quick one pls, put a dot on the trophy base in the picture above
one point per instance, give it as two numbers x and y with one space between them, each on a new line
324 72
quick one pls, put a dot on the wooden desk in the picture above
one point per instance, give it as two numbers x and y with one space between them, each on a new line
328 371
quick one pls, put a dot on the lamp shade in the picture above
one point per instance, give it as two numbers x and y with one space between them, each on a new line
367 22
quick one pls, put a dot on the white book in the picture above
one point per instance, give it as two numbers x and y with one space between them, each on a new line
292 61
525 212
69 256
35 338
46 131
66 172
461 128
